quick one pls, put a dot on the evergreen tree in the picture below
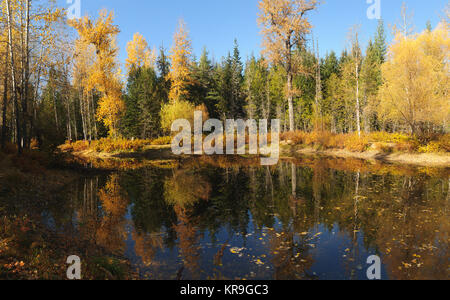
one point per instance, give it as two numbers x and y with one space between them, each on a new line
163 67
329 67
380 42
237 81
370 82
256 87
202 74
305 87
230 80
143 104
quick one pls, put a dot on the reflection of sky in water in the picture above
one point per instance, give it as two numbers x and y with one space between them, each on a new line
331 260
328 235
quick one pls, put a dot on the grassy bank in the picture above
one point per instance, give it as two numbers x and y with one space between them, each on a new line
108 145
382 146
388 147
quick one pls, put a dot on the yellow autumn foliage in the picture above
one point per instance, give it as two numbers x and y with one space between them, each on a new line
139 53
104 73
180 63
416 80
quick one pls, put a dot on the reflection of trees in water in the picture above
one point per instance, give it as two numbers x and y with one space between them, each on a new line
413 229
111 233
147 245
101 212
400 216
183 190
88 211
291 258
404 217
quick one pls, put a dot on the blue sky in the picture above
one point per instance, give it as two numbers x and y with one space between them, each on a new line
216 23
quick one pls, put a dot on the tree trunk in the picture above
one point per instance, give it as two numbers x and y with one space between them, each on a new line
291 104
358 109
26 137
13 78
5 99
294 180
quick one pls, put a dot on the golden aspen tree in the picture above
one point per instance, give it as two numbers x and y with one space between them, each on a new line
351 70
84 60
284 26
13 74
4 81
416 80
27 24
139 53
181 60
105 76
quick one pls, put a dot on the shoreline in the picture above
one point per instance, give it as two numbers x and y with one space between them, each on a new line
437 160
163 153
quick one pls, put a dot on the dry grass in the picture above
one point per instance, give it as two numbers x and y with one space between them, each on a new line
108 145
380 141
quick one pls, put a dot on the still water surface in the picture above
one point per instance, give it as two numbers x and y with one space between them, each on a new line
315 220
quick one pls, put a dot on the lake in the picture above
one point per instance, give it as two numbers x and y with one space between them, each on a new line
306 218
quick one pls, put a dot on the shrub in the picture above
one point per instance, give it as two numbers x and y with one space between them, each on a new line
165 140
296 137
337 141
384 147
386 137
357 144
109 145
444 143
80 146
34 145
410 146
180 110
432 147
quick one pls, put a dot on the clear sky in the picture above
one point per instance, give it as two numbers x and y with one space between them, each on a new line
216 23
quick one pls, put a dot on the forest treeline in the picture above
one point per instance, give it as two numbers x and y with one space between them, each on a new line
62 80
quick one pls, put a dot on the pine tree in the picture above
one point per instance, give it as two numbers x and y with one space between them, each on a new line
230 97
163 67
380 42
257 88
202 82
224 94
329 67
141 118
237 80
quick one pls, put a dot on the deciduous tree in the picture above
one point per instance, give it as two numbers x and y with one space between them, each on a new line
284 25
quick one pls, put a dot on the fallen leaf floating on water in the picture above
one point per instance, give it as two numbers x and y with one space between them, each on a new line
236 250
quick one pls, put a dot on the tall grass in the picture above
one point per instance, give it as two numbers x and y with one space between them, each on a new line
109 145
382 141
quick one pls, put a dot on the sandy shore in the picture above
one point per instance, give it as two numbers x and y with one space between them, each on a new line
416 159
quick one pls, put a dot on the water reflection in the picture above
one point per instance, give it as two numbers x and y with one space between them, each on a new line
290 221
